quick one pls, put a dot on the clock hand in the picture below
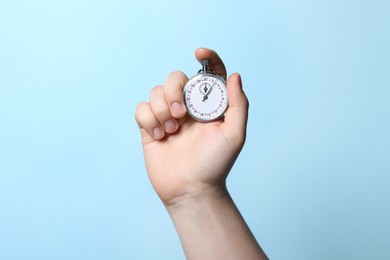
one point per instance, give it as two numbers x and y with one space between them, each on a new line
208 92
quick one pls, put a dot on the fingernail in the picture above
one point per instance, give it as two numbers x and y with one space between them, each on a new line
177 109
158 133
170 126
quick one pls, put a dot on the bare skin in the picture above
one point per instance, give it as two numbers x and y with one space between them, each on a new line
188 163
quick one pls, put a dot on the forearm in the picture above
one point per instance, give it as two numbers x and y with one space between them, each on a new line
211 227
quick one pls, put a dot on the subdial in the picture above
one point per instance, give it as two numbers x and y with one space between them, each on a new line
204 88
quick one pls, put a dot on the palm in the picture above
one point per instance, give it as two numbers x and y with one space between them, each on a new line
190 160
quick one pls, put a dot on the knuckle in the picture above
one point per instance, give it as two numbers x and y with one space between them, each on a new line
176 78
140 106
138 112
161 114
176 74
155 90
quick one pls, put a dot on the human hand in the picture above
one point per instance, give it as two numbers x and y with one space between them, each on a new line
184 157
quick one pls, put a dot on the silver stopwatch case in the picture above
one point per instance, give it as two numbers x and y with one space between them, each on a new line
205 95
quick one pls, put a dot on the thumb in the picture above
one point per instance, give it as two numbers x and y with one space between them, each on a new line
237 114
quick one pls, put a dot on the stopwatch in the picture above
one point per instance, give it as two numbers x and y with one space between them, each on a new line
205 95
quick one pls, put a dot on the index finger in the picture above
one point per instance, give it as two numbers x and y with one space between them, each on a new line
215 62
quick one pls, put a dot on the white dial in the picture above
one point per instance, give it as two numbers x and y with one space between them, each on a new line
205 96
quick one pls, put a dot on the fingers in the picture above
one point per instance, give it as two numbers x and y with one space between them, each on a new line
215 62
173 90
147 121
237 114
161 110
165 110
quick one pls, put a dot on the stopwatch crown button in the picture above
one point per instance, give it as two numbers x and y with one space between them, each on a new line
205 65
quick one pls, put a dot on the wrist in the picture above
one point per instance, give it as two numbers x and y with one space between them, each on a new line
199 198
211 227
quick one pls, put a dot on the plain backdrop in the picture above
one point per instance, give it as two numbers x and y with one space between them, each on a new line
313 181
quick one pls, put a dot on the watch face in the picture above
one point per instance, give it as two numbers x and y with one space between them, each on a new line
205 96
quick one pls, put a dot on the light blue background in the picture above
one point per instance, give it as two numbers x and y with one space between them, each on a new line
312 181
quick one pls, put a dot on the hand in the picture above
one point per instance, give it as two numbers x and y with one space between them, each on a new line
183 156
188 162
